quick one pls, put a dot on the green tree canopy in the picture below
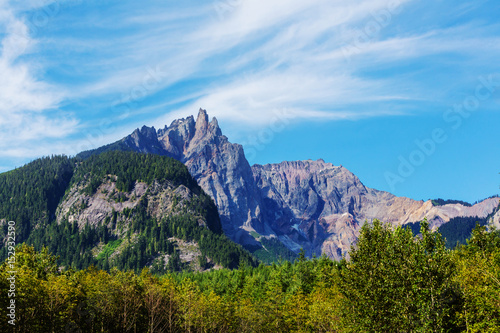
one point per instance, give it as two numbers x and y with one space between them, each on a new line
395 282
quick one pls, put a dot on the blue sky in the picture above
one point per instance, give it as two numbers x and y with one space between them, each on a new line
403 93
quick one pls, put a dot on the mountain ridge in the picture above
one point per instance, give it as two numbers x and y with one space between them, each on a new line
322 214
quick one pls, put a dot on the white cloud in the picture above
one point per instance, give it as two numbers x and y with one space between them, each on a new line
276 34
25 99
240 64
290 42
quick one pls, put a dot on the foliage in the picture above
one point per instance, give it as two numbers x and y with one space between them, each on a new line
109 249
29 195
131 167
442 202
478 274
273 250
278 298
459 229
394 282
456 231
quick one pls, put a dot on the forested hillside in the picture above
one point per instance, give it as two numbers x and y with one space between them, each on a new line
457 230
29 195
138 229
442 202
394 282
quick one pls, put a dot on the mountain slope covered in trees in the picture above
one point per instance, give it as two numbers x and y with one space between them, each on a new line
116 209
29 195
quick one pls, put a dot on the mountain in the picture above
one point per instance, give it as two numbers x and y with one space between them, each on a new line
220 167
304 204
117 209
321 207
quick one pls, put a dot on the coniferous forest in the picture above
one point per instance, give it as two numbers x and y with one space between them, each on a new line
30 195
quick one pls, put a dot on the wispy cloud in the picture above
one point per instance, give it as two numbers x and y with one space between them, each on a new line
27 102
130 63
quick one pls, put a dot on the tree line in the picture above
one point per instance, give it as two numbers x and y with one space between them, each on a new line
392 282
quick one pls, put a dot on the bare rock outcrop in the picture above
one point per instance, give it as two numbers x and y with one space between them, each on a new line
221 169
321 207
162 199
495 219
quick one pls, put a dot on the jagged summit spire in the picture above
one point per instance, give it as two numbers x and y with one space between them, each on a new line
201 125
214 127
202 116
204 127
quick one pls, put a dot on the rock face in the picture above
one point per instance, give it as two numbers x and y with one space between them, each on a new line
305 204
321 207
162 199
495 219
219 167
144 140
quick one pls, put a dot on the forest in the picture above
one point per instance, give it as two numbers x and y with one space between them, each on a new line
392 282
30 195
457 230
442 202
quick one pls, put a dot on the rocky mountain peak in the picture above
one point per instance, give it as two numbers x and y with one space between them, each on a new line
214 128
148 132
144 140
201 125
175 138
186 123
202 114
185 137
144 133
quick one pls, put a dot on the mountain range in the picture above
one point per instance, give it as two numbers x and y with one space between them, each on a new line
179 198
312 205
